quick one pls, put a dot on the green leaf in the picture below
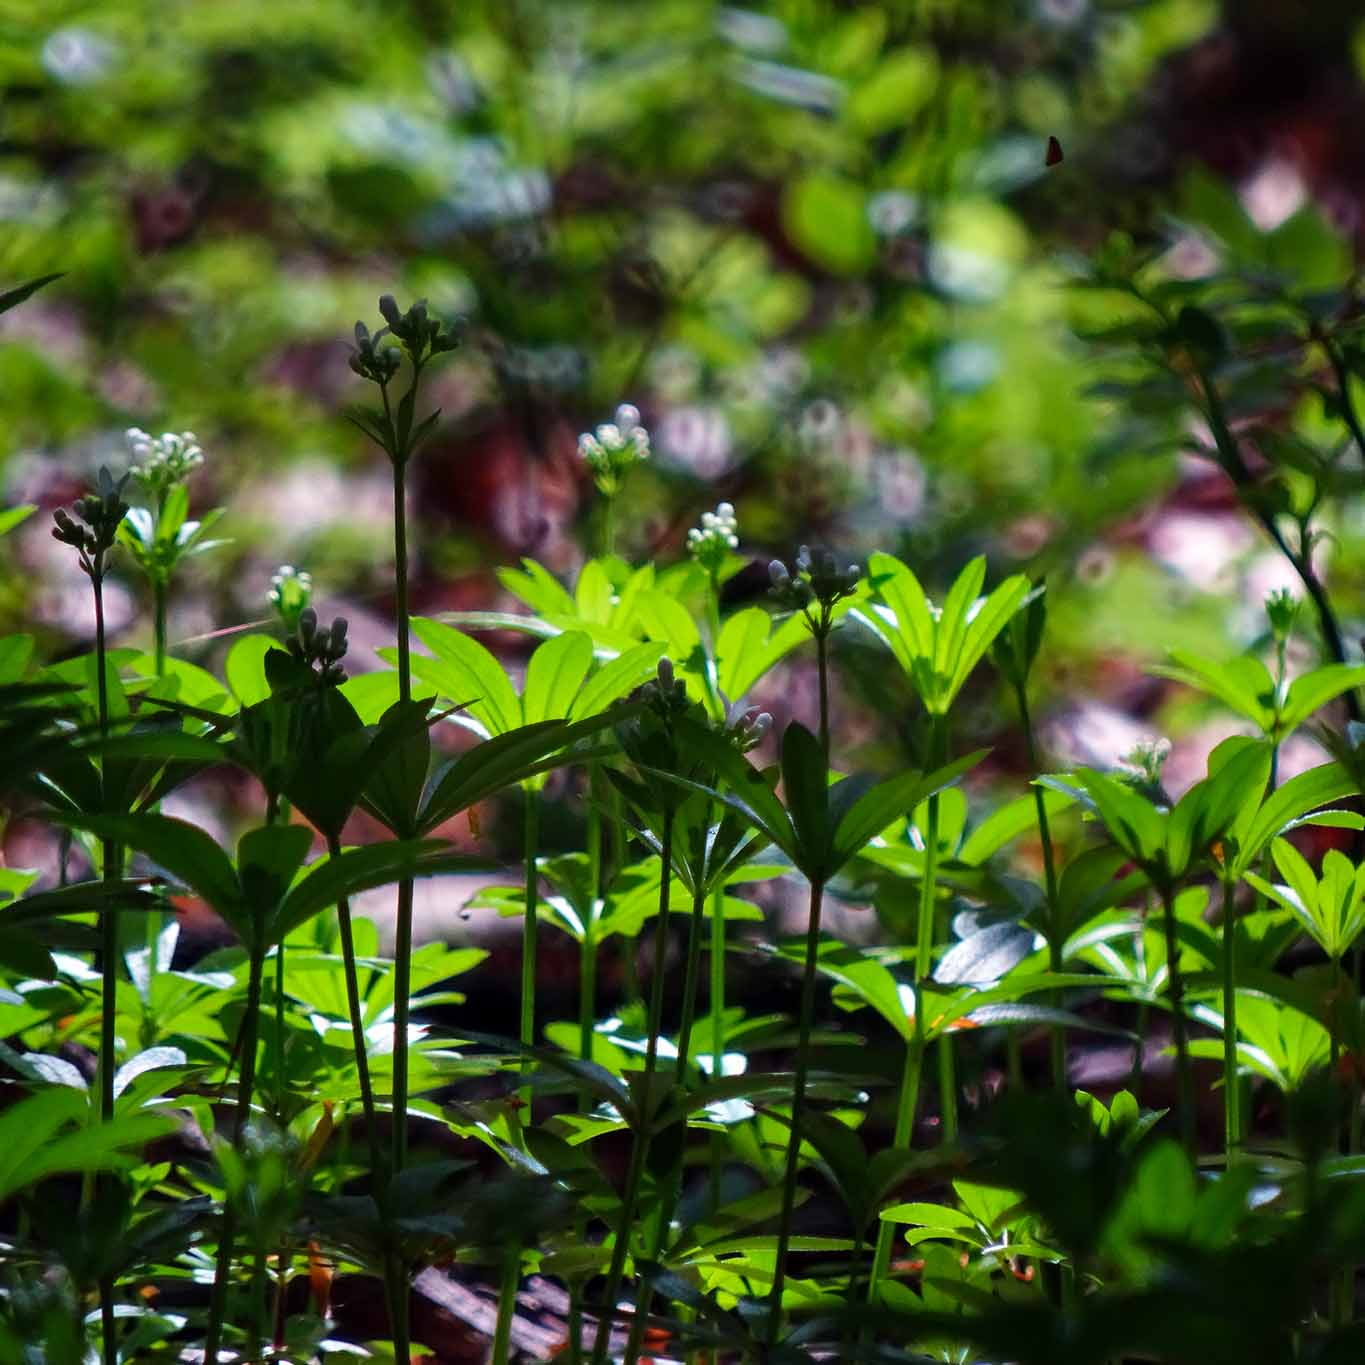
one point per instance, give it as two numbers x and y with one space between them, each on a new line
750 644
12 298
183 849
16 651
863 976
48 1134
470 674
616 678
805 783
150 1059
1238 767
990 618
896 91
826 218
909 630
1304 792
361 869
1008 823
245 668
268 860
398 760
1243 684
554 676
927 1216
876 809
1132 821
1316 689
538 588
507 759
10 517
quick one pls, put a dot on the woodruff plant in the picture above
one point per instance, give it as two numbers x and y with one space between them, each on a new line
716 1263
396 429
92 533
159 537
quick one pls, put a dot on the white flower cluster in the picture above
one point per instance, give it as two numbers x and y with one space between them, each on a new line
291 590
614 447
746 725
717 535
163 461
1145 760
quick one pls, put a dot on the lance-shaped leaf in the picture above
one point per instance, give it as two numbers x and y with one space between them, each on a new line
50 1134
258 895
938 647
507 759
1245 686
821 826
1167 843
1330 907
1298 801
1238 771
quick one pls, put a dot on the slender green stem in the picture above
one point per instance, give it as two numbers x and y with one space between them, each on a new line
159 624
507 1305
529 945
608 524
507 1296
1176 987
359 1044
947 1086
402 979
908 1097
807 1021
908 1100
281 1086
587 1018
246 1080
717 1010
112 859
1232 1084
640 1147
403 926
1055 930
822 665
672 1186
400 578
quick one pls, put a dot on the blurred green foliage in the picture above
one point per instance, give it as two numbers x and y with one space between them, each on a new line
817 244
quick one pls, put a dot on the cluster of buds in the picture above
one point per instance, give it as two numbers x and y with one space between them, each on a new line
717 535
314 645
666 693
372 361
1144 763
291 590
746 726
421 336
1281 609
163 461
101 511
614 448
818 578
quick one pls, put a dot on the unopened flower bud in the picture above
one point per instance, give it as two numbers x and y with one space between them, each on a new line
1281 609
